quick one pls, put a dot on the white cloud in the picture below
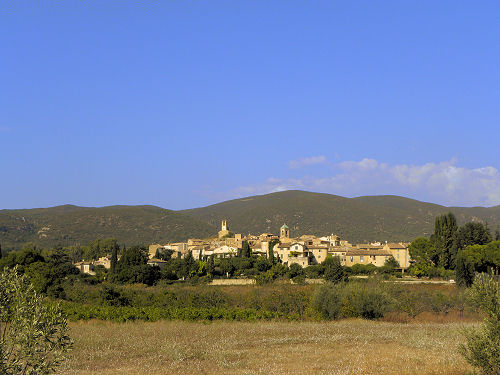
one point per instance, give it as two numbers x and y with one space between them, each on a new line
443 183
306 161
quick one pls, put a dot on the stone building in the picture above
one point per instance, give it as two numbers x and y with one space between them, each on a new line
224 232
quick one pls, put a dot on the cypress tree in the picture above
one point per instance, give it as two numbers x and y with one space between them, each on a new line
188 265
114 258
271 255
445 228
210 265
465 271
0 251
271 250
246 251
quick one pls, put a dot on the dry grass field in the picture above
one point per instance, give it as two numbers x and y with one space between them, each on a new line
344 347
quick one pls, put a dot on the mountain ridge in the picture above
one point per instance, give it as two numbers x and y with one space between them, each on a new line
359 219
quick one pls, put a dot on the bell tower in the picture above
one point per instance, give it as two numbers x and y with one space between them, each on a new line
224 231
284 231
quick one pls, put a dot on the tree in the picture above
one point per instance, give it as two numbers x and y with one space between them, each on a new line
464 270
133 268
227 267
497 235
296 273
189 266
76 253
471 234
422 250
246 251
164 254
33 339
262 264
445 227
334 272
211 265
272 243
133 256
114 259
0 251
482 347
391 263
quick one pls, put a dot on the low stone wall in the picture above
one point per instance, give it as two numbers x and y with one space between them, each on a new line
232 282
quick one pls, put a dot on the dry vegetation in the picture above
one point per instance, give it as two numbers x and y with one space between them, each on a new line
344 347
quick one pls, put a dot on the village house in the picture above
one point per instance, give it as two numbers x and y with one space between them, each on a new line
400 252
85 267
377 257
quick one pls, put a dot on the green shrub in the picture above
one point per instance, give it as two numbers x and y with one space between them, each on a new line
482 348
33 338
354 299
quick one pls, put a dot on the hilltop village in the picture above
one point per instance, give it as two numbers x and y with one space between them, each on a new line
305 250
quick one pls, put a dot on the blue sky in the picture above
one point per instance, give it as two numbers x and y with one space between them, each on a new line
187 103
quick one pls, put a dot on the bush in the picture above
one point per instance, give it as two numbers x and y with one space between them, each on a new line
482 348
33 338
362 269
355 299
315 271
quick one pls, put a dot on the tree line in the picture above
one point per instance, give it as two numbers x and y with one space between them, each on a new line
456 250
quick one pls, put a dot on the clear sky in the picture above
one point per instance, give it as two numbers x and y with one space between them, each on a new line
187 103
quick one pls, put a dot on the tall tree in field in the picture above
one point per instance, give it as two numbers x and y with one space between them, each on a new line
464 270
497 235
445 228
114 258
0 251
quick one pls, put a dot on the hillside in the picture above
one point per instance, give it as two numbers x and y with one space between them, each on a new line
369 218
69 225
361 219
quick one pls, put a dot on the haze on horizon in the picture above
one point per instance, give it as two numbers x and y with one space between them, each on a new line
185 104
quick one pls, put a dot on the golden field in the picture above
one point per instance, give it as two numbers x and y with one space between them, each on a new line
343 347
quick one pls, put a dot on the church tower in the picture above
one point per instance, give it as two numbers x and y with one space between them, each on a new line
224 229
284 231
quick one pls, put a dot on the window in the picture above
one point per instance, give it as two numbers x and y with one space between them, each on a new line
352 259
361 258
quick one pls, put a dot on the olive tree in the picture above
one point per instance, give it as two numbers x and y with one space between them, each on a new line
33 335
482 348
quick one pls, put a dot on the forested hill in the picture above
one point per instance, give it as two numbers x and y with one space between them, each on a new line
370 218
70 225
362 219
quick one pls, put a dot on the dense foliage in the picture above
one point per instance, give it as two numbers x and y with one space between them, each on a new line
360 219
454 251
33 334
482 348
